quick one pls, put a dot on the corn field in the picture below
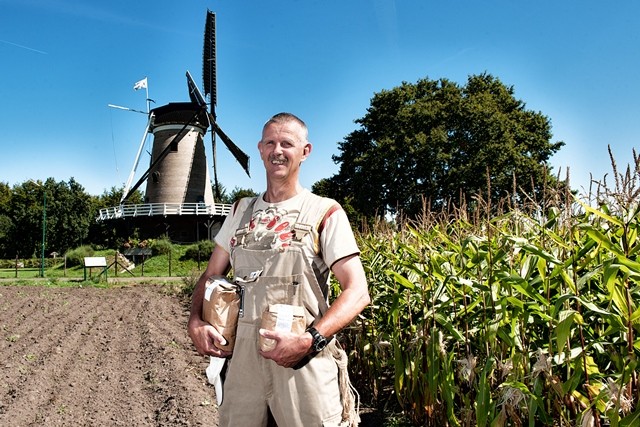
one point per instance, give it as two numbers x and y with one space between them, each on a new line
514 319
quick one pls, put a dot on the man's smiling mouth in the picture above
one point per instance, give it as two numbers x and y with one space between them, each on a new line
275 161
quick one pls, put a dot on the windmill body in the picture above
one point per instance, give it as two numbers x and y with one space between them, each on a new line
182 176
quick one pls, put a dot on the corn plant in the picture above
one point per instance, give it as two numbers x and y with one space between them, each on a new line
522 319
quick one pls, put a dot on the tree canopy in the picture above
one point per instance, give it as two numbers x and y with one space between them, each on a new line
437 142
69 215
63 206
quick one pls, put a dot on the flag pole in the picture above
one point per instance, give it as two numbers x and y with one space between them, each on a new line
147 92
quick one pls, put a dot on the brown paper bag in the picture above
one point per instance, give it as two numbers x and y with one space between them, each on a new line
220 308
279 317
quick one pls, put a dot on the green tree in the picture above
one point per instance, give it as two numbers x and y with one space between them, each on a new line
238 193
111 234
327 187
219 193
68 215
26 212
6 224
437 142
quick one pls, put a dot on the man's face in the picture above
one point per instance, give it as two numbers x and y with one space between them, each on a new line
282 148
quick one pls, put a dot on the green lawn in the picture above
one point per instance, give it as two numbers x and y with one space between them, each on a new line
163 265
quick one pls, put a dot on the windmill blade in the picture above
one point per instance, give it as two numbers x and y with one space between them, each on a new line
239 155
218 196
125 193
194 93
196 97
209 59
209 80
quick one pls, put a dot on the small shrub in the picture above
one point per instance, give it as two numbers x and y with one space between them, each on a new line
161 246
76 256
201 250
190 280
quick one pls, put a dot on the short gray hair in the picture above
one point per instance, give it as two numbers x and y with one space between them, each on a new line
283 117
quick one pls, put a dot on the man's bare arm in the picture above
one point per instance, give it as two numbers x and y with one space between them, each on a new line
351 301
203 335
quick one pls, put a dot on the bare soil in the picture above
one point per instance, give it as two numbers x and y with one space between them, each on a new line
101 357
89 356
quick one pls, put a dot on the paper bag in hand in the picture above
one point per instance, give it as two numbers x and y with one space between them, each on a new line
220 308
281 317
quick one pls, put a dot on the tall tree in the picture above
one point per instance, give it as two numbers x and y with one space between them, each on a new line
438 142
68 215
64 207
6 224
26 210
111 234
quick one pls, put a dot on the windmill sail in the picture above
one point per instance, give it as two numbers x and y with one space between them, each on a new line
209 60
196 97
210 85
209 79
238 154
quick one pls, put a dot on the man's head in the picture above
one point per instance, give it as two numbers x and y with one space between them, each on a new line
284 145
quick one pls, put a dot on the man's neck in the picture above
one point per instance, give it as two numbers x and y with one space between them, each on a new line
280 193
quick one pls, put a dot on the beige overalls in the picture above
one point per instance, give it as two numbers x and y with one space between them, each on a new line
306 396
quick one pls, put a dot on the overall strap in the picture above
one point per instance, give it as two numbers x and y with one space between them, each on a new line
243 229
301 230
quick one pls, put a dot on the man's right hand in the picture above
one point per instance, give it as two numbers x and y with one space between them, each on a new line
205 337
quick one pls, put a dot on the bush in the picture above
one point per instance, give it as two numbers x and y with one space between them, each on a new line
76 256
161 246
190 280
202 249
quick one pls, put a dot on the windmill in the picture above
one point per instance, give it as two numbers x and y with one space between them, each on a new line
197 118
177 179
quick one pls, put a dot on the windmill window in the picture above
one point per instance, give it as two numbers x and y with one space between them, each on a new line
156 177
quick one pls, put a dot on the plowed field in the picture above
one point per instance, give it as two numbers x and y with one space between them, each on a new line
99 357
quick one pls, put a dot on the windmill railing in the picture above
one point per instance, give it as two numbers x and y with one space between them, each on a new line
163 209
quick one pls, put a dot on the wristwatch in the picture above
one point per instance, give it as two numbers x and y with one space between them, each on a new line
319 341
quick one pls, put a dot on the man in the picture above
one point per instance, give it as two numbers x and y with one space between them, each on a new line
282 246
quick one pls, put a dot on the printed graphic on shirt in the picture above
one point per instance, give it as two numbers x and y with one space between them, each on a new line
270 228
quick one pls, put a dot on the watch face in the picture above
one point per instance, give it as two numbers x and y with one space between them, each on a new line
319 342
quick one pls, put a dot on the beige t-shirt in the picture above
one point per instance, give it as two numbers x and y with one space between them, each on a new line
272 226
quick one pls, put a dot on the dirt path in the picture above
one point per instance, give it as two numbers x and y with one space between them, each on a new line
86 356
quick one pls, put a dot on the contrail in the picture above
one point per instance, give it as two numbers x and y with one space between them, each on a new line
23 47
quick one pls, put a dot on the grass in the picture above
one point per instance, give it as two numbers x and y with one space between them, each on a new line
162 265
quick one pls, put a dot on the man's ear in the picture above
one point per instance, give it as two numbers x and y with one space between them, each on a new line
306 151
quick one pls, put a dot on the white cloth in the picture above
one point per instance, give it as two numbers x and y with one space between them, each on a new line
213 376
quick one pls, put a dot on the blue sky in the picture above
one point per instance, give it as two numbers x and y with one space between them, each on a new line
63 61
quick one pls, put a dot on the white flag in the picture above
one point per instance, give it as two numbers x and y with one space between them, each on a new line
142 84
